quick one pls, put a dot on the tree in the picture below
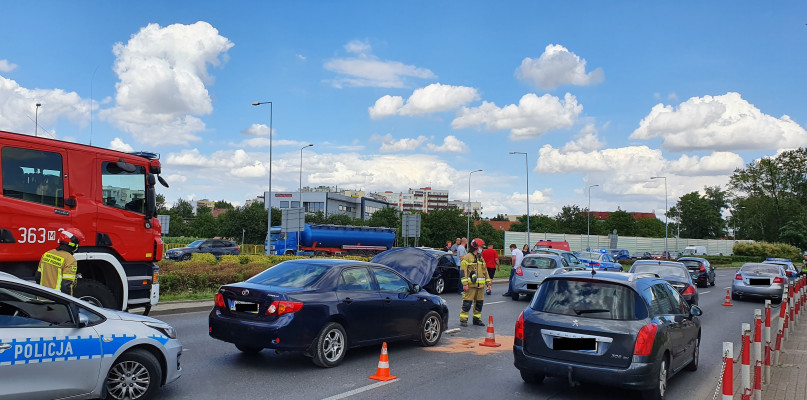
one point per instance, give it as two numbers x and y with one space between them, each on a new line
441 225
572 219
794 233
385 217
183 208
249 221
161 204
651 227
223 204
621 221
204 225
699 217
499 217
491 236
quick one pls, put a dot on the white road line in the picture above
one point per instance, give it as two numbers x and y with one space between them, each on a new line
359 390
708 291
495 302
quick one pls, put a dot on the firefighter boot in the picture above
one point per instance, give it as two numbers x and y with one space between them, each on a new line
478 313
466 306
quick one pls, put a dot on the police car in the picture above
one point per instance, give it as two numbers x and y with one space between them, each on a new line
55 346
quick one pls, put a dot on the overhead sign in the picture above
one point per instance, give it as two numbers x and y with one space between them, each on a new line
410 225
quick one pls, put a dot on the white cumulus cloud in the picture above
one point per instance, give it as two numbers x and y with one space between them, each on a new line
719 123
557 66
18 108
430 99
365 69
450 145
530 118
6 66
119 145
390 145
163 81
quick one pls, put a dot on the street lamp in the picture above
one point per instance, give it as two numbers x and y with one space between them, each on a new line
468 234
527 168
301 190
36 119
588 217
268 200
665 212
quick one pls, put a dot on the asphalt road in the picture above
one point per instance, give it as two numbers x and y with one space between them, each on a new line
455 368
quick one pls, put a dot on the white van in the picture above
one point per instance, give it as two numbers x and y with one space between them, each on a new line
694 251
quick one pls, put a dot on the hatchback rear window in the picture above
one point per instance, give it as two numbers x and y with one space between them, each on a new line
692 263
539 262
589 299
287 274
664 271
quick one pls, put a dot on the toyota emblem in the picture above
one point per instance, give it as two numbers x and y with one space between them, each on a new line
245 292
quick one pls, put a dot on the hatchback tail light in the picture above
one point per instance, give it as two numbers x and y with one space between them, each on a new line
690 290
219 300
778 279
520 327
738 277
519 271
283 307
645 339
703 268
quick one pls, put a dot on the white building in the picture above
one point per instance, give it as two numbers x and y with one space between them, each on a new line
423 199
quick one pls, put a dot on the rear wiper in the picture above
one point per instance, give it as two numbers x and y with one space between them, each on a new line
590 310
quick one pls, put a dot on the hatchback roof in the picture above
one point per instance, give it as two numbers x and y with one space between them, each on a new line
659 262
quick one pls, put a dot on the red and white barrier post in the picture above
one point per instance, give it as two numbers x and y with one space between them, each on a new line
758 354
745 368
790 311
728 371
767 365
781 332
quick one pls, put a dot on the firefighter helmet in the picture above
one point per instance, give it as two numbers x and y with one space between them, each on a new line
71 237
477 244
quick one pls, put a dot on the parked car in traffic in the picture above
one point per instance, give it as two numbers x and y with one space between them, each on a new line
759 280
619 254
323 307
702 273
674 272
641 255
599 260
617 329
446 275
56 346
216 247
568 256
532 271
790 269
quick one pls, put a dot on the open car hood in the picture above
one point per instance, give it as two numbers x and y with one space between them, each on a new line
415 264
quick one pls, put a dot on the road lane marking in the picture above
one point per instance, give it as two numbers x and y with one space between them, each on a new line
708 291
496 302
359 390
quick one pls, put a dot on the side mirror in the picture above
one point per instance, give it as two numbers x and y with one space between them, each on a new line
83 321
415 288
695 311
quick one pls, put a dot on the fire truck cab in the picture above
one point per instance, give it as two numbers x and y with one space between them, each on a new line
50 185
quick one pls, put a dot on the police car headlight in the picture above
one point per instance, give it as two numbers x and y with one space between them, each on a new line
165 329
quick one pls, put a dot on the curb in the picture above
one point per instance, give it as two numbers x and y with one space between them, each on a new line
180 307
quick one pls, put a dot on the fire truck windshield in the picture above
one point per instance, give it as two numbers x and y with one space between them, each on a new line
122 189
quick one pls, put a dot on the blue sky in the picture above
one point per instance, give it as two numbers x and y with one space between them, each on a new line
399 95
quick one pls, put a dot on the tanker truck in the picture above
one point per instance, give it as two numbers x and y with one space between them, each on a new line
332 240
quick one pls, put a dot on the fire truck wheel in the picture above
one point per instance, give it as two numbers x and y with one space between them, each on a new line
95 293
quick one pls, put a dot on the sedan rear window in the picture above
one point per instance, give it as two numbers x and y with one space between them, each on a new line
287 274
589 299
763 269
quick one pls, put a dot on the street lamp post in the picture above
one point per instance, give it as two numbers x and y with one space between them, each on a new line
527 170
665 212
468 234
588 217
268 200
301 189
36 119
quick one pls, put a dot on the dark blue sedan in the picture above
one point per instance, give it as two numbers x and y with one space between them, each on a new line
322 307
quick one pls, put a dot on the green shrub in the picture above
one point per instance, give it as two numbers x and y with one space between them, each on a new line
762 250
205 257
229 259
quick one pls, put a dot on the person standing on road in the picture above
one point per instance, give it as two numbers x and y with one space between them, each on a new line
491 258
57 267
462 248
515 258
474 281
804 266
455 245
447 247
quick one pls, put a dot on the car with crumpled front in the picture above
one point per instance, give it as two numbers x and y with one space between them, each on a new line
612 328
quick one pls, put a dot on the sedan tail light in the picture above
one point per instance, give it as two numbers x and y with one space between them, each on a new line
778 279
283 307
219 300
645 339
738 277
519 271
703 268
520 327
689 290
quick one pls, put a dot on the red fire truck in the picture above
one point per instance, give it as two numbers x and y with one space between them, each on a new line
49 185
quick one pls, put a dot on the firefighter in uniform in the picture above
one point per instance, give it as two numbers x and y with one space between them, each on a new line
474 281
57 268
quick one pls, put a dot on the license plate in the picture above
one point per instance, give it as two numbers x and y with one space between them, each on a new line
532 286
585 344
759 282
243 306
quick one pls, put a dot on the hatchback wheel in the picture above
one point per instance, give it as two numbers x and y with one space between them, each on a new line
693 365
431 329
330 346
515 296
531 377
658 392
135 375
439 285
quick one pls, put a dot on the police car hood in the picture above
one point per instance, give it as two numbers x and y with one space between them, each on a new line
415 264
122 315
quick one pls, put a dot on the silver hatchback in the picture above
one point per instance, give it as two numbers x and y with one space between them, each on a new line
532 271
767 281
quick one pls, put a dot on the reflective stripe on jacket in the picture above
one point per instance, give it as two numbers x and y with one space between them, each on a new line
474 265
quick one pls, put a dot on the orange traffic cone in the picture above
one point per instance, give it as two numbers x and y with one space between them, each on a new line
728 298
490 338
382 373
